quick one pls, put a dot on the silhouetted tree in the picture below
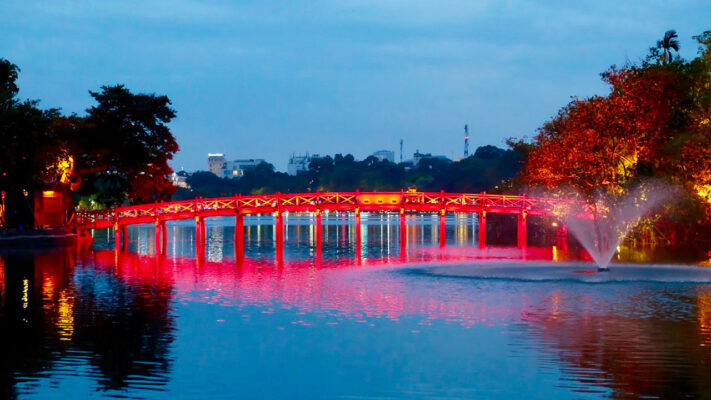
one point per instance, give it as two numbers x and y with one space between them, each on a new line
122 147
25 147
667 44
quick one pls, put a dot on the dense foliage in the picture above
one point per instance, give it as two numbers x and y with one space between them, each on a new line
484 170
654 123
117 153
26 143
122 147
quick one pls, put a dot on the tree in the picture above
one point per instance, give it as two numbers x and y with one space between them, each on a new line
667 44
654 123
26 147
122 147
604 142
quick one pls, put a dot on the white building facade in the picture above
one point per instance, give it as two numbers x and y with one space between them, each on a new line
299 163
218 165
383 155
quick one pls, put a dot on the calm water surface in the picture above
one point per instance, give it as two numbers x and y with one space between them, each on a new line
354 322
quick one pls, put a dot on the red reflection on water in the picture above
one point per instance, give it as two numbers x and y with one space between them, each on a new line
325 286
604 347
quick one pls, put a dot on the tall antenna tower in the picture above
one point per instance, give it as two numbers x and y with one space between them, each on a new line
466 141
400 150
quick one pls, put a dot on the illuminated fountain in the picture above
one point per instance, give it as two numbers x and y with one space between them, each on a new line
613 217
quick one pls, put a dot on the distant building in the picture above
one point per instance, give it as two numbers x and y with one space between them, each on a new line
180 178
417 157
237 168
218 165
299 163
385 155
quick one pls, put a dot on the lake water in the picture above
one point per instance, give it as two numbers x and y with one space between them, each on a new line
364 321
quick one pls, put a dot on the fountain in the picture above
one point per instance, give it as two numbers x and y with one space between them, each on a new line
613 217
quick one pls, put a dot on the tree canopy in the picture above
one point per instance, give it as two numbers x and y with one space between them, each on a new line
117 153
26 144
654 123
122 147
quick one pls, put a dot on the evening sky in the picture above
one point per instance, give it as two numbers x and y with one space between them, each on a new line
264 79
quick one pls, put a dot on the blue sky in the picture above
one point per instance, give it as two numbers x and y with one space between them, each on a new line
264 79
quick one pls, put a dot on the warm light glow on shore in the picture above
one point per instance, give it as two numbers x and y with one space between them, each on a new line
704 191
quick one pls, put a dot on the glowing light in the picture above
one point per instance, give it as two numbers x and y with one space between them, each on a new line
65 320
704 307
704 191
62 168
25 293
66 167
554 224
380 199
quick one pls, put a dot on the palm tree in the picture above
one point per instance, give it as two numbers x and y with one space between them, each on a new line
666 45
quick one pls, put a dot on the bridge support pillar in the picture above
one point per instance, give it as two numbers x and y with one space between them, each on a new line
482 229
442 229
358 236
239 236
279 238
521 231
164 237
403 235
124 236
158 236
318 237
561 236
199 235
117 236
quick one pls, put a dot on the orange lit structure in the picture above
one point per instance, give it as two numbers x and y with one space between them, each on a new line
52 209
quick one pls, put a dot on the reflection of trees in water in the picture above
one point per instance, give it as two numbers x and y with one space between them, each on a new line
50 308
657 350
24 347
125 325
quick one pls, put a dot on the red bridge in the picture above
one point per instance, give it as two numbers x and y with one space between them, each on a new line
356 202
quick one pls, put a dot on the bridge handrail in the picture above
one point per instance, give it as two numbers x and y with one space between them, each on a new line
270 202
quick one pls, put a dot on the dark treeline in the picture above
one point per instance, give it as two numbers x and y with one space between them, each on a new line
486 170
116 153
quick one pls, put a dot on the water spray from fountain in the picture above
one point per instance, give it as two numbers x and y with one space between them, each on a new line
602 225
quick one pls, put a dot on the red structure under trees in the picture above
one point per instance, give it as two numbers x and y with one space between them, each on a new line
400 202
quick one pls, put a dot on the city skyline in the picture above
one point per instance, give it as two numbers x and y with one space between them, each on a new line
266 79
